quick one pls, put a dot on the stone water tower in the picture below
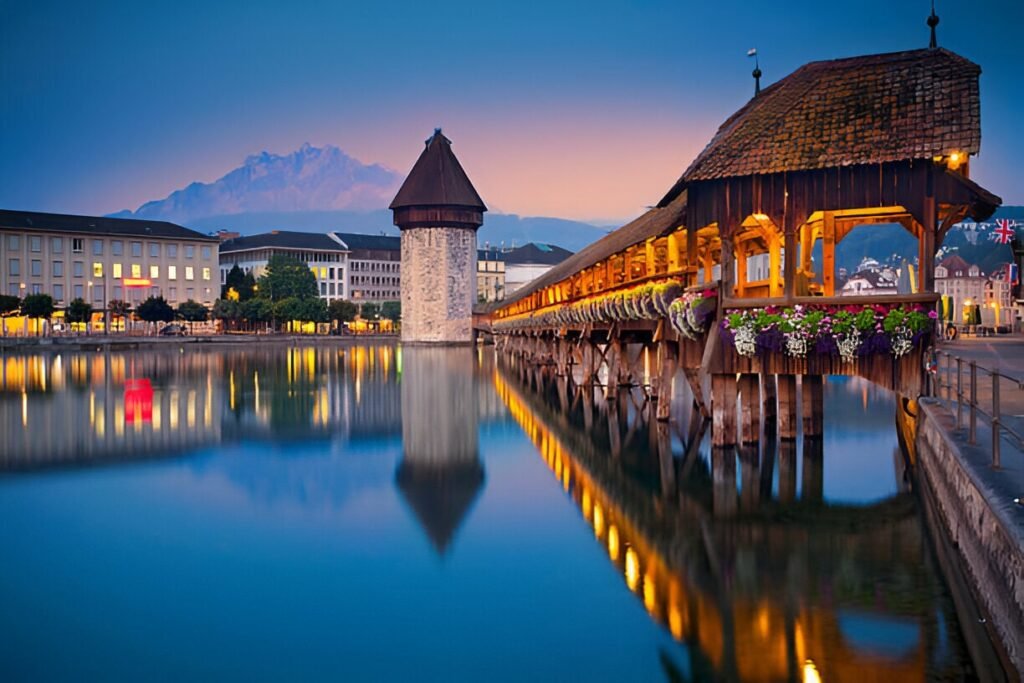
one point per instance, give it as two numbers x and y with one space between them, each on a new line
438 211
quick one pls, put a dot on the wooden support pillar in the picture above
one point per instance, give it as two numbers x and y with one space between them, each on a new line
723 477
775 288
789 257
727 263
614 435
787 471
709 264
750 409
723 408
666 463
769 403
768 456
750 477
668 358
812 398
696 387
813 470
927 246
741 271
828 253
787 407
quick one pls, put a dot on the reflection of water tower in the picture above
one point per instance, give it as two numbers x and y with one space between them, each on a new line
440 474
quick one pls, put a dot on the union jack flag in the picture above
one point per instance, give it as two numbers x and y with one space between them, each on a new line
1003 234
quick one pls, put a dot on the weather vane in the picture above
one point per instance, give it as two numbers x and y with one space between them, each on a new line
752 52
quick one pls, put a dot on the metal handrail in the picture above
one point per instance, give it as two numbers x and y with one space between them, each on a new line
971 400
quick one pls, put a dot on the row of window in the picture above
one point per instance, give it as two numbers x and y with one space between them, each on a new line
367 280
97 293
35 245
375 266
78 270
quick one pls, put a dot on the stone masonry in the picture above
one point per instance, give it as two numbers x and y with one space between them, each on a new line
438 276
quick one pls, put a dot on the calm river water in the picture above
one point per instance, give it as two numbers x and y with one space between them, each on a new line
374 513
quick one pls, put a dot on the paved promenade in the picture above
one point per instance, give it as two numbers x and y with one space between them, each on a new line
1005 354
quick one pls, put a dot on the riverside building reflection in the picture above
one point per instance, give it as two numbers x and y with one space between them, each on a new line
84 407
759 578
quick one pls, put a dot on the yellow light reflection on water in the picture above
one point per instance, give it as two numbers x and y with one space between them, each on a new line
650 594
24 409
811 674
675 622
632 569
598 520
613 542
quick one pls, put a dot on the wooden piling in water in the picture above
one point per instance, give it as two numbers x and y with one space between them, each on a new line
812 397
723 409
787 407
750 409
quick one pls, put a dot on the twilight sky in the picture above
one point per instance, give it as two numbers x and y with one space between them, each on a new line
584 110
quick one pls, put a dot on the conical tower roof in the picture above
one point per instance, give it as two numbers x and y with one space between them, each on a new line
437 179
440 496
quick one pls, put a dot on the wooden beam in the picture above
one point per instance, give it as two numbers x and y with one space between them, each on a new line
828 253
927 247
750 408
787 407
723 410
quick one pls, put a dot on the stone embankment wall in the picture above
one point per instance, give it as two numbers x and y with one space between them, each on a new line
438 285
983 522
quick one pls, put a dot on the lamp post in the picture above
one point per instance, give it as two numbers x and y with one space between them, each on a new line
24 318
88 296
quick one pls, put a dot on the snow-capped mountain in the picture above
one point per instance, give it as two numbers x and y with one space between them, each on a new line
309 179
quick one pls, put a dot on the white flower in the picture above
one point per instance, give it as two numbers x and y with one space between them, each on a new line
902 343
745 341
848 345
796 345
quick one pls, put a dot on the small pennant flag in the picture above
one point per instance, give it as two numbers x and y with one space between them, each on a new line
751 52
1003 234
1012 274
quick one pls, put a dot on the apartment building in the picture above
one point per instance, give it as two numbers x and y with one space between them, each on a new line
375 266
490 275
102 259
325 255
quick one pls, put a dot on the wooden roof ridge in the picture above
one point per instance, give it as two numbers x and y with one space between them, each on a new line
652 223
437 179
864 109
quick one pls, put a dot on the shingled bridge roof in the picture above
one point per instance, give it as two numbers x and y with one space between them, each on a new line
860 110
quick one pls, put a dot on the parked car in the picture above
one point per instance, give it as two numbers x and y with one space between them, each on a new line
173 330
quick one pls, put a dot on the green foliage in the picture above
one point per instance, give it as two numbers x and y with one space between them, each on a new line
155 309
369 311
392 310
37 306
342 311
227 310
286 278
78 311
288 309
865 320
9 304
257 310
240 281
193 311
313 311
118 308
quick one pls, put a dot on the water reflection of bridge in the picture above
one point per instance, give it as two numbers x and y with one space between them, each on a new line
767 593
78 407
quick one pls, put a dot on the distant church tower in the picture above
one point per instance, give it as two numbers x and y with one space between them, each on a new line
438 212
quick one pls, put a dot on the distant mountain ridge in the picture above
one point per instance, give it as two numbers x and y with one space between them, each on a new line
318 189
308 179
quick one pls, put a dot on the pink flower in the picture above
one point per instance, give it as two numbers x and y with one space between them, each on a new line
933 315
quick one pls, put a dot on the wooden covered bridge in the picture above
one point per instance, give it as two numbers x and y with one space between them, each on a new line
719 279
